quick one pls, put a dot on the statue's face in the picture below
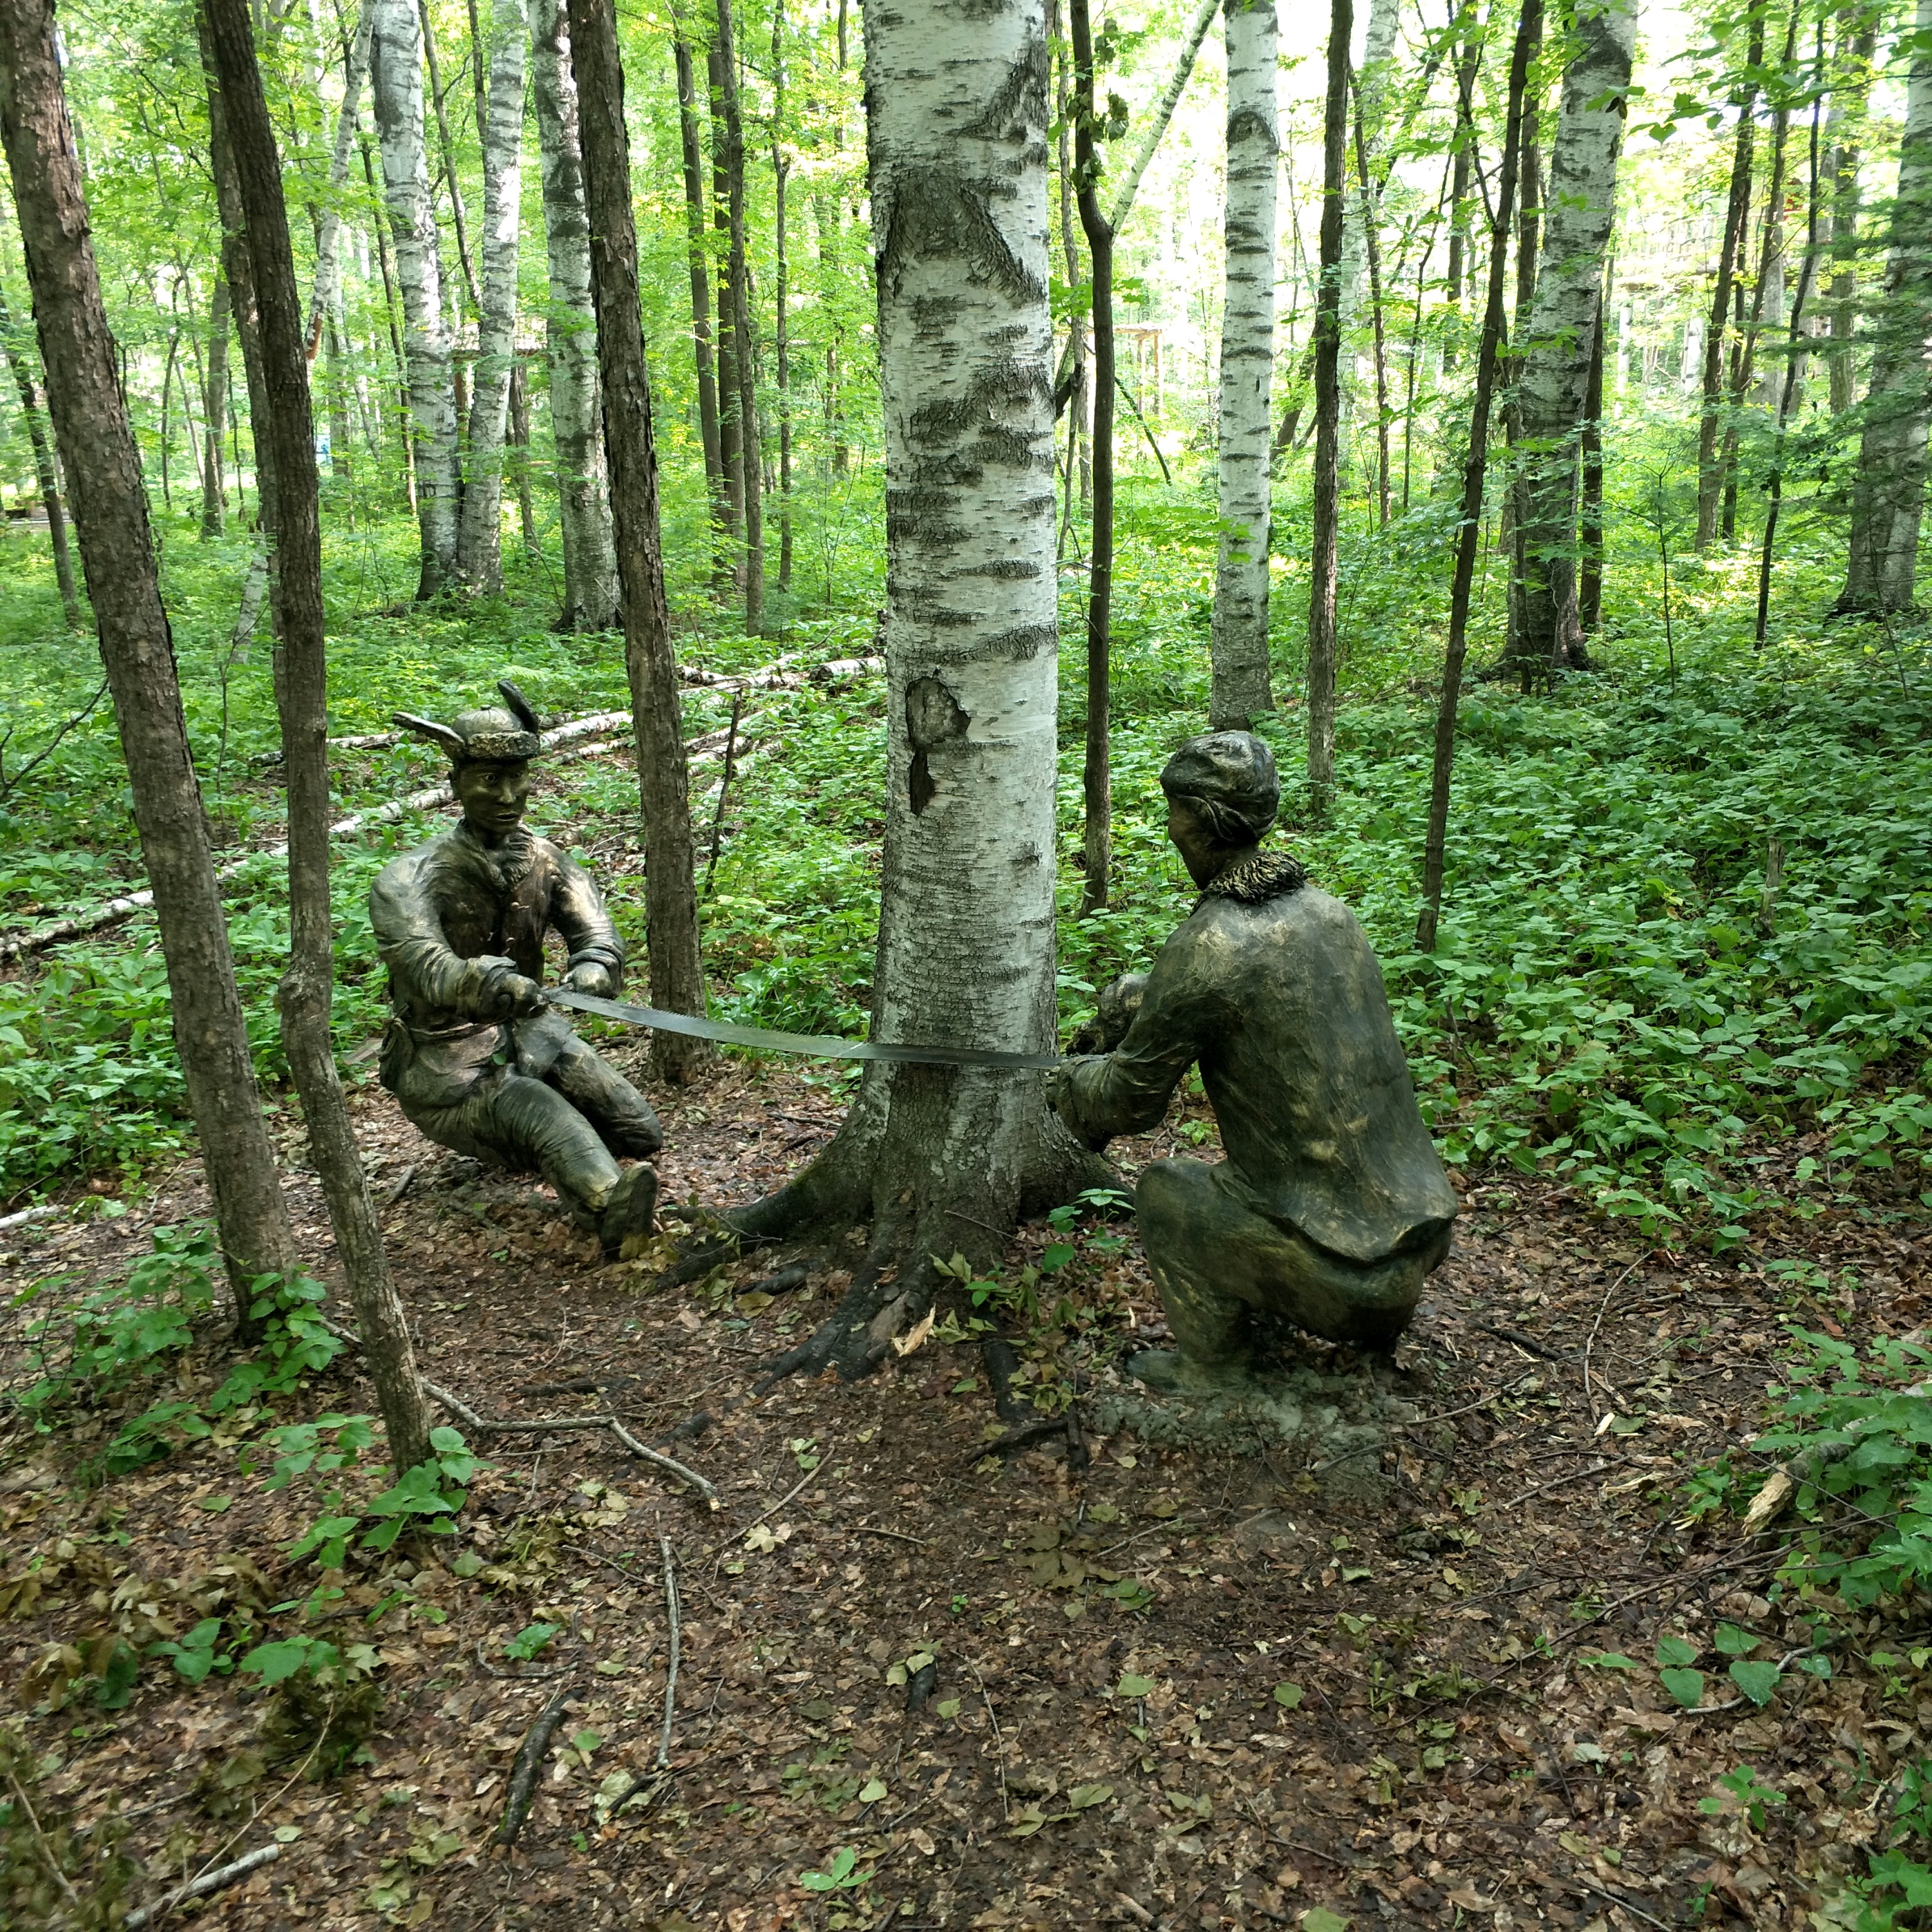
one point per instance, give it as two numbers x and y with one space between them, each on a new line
493 797
1200 851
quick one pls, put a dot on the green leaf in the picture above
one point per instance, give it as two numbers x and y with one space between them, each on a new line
1733 1642
1756 1681
1321 1919
870 1791
1687 1687
1674 1651
1288 1696
1084 1797
1607 1660
1132 1686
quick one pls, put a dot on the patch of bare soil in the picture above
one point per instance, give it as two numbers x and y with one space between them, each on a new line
1148 1687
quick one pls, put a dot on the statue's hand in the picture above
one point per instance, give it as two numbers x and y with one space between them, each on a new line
509 995
589 977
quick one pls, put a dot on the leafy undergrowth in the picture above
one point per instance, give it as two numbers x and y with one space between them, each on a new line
922 1685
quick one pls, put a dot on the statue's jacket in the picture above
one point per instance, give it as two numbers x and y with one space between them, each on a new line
452 919
1278 996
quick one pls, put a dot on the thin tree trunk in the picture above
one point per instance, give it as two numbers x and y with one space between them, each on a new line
1529 37
479 543
670 891
781 170
1358 205
590 580
943 1160
391 316
1158 116
396 89
1794 358
1372 243
447 148
750 445
1889 488
1070 393
729 573
110 511
1737 216
1467 65
1562 331
45 473
328 281
1590 514
1328 479
302 696
700 290
1097 787
214 499
1857 42
1529 230
520 441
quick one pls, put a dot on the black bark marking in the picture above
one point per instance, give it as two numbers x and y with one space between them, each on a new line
933 715
1020 105
937 215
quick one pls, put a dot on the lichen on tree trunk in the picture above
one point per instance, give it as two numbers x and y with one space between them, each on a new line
939 1159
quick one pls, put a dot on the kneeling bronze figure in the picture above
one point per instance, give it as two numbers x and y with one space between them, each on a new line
1332 1206
478 1061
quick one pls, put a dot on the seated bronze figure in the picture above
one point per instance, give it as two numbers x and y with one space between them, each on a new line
1332 1207
478 1061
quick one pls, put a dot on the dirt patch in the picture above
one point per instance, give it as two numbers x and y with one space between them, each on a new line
1199 1680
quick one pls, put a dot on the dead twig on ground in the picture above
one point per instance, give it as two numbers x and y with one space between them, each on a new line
529 1763
40 1844
1559 1482
999 1742
897 1535
199 1888
546 1425
671 1672
1589 1347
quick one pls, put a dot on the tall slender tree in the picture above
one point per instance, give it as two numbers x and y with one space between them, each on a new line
781 293
479 550
1857 42
110 513
214 411
699 253
396 88
1324 548
730 133
302 696
1475 469
590 591
671 895
1096 780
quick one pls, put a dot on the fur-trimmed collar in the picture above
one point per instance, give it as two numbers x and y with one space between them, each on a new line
1257 878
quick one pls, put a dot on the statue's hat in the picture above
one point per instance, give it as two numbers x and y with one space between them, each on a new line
494 735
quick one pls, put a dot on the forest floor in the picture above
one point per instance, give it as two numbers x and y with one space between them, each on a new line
1171 1688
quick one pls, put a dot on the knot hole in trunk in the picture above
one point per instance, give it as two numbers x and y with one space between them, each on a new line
933 715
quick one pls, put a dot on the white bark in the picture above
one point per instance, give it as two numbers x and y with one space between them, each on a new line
396 89
1580 204
1239 638
326 297
957 138
1888 493
583 482
1159 115
479 548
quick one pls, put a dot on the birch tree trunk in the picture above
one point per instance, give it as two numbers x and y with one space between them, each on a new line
1239 642
326 289
1369 84
671 895
942 1159
1328 481
117 554
396 89
582 486
1888 492
1564 324
302 694
479 546
781 174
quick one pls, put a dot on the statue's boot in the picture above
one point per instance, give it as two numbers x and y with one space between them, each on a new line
631 1207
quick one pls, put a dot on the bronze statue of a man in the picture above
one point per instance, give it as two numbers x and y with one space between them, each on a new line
479 1063
1332 1206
